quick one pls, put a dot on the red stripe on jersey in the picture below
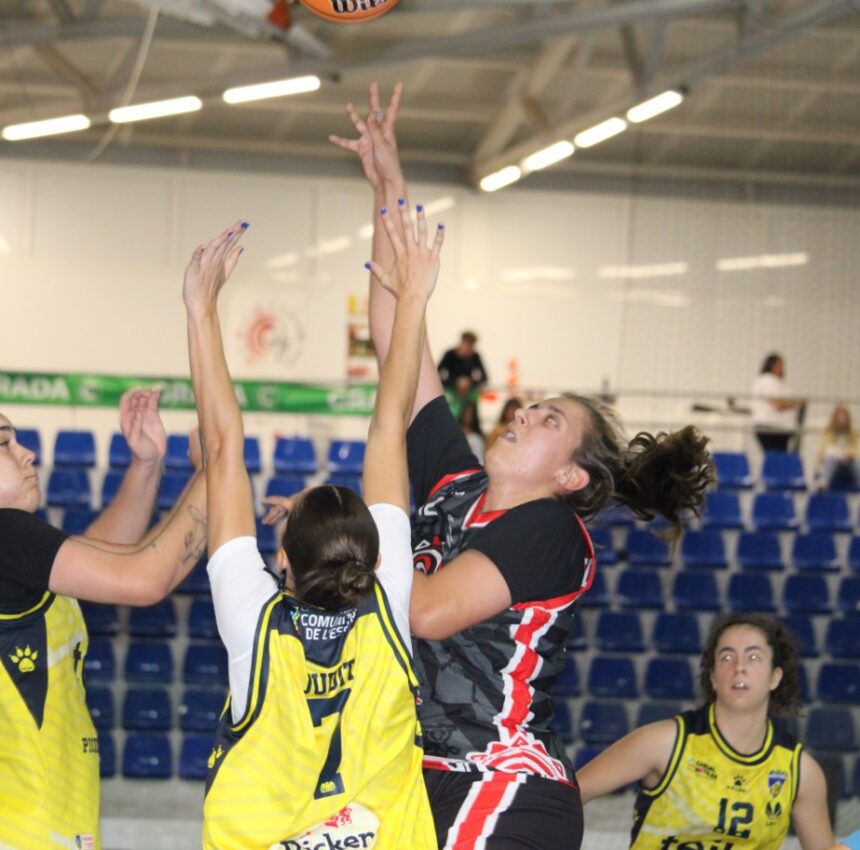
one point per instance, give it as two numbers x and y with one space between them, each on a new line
453 476
521 692
476 516
479 812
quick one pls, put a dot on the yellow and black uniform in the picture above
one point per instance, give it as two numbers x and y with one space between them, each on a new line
328 751
49 763
714 798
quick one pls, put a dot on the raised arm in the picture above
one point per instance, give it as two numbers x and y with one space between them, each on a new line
230 504
127 518
410 280
809 814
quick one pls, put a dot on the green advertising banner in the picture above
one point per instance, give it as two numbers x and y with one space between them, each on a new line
177 394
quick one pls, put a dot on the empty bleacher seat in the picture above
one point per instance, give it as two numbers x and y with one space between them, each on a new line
147 756
597 595
733 470
75 448
815 551
267 543
802 633
345 479
639 589
782 471
31 439
653 712
669 678
577 640
200 709
759 550
619 631
830 729
110 486
100 619
696 591
567 684
828 512
119 454
107 754
194 756
843 638
201 619
294 455
177 453
774 511
583 755
603 722
839 682
252 456
806 594
100 704
704 549
562 721
157 620
78 520
676 633
617 515
146 709
205 664
750 592
855 780
722 510
803 683
285 485
197 581
149 663
602 540
646 549
612 677
854 554
172 485
100 665
69 488
346 456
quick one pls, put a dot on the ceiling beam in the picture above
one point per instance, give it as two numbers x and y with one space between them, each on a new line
65 70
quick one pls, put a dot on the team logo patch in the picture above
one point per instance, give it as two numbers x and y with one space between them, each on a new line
25 659
353 826
85 842
775 780
773 811
701 768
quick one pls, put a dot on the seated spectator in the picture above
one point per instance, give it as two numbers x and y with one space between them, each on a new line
470 422
463 362
838 464
512 405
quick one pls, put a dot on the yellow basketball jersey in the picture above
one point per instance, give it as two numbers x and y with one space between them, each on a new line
329 748
49 762
713 798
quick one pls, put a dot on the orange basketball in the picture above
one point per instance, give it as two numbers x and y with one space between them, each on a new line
348 11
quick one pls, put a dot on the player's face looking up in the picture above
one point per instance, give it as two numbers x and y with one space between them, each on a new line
19 481
743 674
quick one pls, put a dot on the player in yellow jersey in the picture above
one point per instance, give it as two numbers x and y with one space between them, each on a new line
49 759
723 777
319 745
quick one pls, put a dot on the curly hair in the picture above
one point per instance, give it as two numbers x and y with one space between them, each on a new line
785 698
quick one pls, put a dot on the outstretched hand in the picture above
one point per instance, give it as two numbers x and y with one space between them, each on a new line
141 424
280 506
211 265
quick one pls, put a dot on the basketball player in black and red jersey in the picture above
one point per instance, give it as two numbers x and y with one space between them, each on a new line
503 557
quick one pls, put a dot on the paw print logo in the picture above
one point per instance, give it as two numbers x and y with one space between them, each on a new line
25 659
214 756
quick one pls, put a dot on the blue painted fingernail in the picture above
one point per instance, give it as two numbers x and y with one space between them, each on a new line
383 211
245 225
419 207
230 233
241 250
401 201
367 266
440 226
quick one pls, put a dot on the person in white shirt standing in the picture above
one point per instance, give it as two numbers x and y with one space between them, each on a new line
774 412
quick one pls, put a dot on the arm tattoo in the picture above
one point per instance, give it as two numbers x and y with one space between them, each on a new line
195 538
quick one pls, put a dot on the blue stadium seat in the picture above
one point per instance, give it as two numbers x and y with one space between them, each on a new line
177 453
42 514
617 515
69 488
843 638
200 709
696 591
619 631
669 678
583 755
100 665
612 678
782 471
197 581
646 550
750 592
828 512
147 756
652 712
815 551
343 479
603 722
830 729
676 633
201 619
722 510
149 663
597 595
602 540
172 485
704 549
78 520
849 595
252 455
854 554
562 722
146 709
31 439
100 704
639 589
733 470
110 485
100 619
285 485
295 456
803 634
805 594
759 550
774 511
157 620
577 640
839 682
803 681
205 664
75 448
107 754
346 456
119 454
855 779
567 684
194 756
267 543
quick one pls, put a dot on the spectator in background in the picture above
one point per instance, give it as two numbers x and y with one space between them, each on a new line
463 362
512 405
773 410
838 464
470 423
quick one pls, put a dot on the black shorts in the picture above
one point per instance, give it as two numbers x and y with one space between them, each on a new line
503 811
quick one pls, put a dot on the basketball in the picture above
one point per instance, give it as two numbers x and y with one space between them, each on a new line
348 11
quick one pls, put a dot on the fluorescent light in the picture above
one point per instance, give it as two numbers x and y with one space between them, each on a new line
365 231
500 179
278 88
600 132
762 261
282 261
48 127
548 156
643 271
446 202
155 109
654 106
657 297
